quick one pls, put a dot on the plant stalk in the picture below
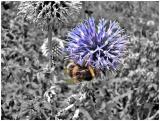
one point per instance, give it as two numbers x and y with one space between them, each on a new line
50 45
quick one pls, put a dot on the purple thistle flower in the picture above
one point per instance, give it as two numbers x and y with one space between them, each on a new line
101 47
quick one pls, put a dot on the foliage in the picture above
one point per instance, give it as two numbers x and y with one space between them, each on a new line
29 90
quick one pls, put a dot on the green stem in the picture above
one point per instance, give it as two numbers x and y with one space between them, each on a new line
50 45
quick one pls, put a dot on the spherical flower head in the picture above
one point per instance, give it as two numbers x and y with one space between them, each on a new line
44 12
57 46
101 46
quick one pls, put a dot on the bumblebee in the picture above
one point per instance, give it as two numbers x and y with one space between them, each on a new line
79 73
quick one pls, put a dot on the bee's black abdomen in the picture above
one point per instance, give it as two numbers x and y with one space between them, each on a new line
88 76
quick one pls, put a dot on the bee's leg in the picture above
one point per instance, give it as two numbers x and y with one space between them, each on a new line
75 80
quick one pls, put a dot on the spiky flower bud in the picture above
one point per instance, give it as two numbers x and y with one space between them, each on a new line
43 13
57 46
101 47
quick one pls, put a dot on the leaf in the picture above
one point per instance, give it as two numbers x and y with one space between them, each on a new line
34 85
47 106
148 106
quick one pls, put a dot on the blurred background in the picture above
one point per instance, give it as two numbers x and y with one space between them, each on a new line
135 86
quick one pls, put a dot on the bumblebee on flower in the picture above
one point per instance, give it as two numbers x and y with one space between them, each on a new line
98 47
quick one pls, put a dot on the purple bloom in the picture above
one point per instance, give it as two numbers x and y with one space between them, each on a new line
100 46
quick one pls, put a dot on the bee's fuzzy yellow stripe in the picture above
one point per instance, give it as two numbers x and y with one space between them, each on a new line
92 71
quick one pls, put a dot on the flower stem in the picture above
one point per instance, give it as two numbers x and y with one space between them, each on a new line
50 45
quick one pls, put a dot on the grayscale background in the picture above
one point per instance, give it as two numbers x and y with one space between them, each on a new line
28 91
